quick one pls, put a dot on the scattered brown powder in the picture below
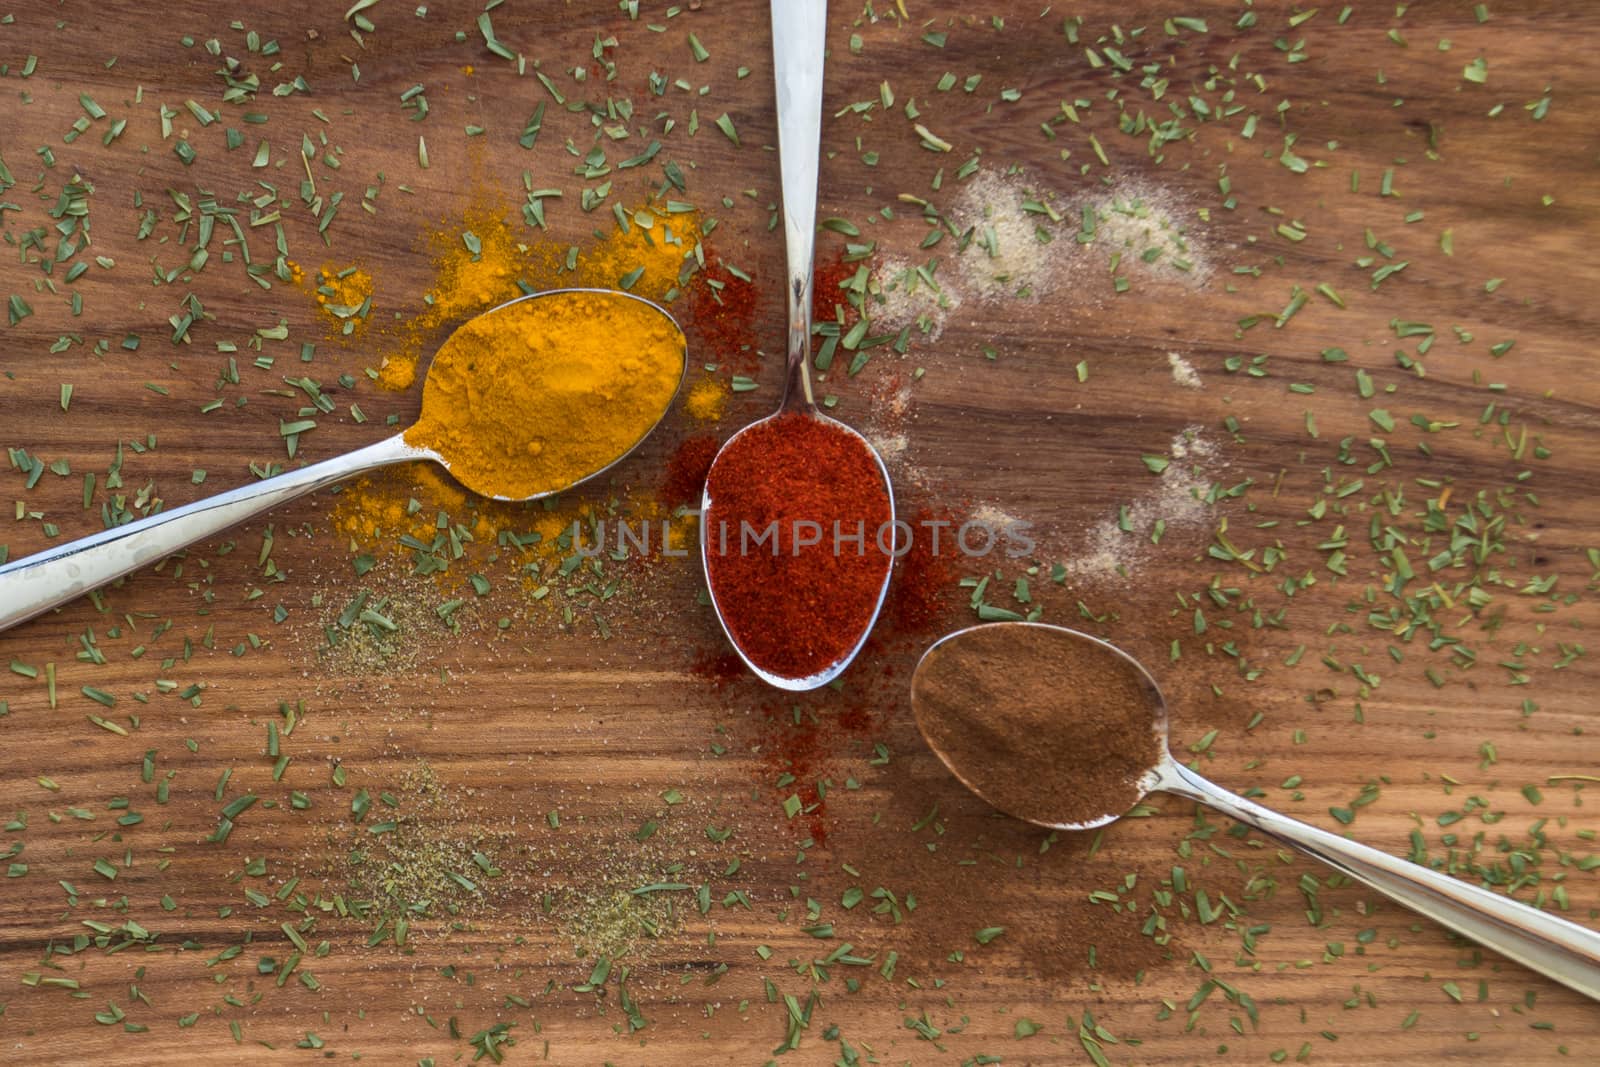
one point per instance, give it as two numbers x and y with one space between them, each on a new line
591 871
382 623
427 858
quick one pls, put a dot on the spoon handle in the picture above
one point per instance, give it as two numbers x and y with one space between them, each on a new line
799 29
34 584
1542 942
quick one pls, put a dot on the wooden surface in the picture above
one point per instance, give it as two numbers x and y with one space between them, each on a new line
1305 707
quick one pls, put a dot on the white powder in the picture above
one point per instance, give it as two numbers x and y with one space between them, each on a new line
892 447
1017 249
1145 226
903 294
892 411
1177 499
1020 243
1183 372
991 515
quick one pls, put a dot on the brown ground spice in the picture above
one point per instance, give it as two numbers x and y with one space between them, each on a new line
1047 726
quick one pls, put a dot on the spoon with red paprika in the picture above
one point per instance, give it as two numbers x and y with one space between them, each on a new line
797 526
1066 731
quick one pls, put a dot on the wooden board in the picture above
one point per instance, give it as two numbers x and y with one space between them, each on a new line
1450 721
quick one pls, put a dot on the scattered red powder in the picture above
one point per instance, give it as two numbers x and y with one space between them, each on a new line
718 668
807 750
922 582
855 719
686 470
722 318
826 294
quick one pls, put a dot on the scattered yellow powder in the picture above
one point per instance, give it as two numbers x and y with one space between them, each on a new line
705 400
683 533
477 265
646 256
381 508
413 517
345 294
406 501
479 262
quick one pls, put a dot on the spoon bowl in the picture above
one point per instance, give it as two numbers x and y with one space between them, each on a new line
621 300
34 584
798 37
1149 778
820 678
1561 950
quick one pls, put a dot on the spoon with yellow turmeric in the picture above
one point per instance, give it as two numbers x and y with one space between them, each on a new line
523 401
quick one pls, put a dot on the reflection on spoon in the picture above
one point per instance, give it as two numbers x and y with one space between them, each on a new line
1066 731
472 422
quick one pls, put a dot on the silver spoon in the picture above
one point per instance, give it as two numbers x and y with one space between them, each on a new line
798 33
1542 942
34 584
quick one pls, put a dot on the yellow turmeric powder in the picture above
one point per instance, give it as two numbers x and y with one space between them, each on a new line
546 391
469 278
346 295
396 509
705 400
483 261
646 254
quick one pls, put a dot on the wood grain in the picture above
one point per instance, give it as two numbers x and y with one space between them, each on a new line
516 723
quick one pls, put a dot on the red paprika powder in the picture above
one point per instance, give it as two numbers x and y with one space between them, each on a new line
686 470
827 289
921 589
722 316
798 542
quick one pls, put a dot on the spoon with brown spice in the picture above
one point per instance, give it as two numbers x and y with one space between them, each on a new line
1066 731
